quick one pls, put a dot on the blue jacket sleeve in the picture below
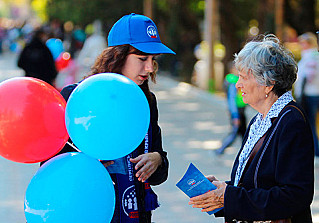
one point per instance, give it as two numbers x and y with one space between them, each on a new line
231 99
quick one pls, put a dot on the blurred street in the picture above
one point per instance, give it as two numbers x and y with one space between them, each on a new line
193 124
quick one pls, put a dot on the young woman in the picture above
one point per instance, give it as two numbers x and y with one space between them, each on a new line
133 45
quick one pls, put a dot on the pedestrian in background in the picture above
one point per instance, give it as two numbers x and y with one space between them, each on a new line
273 174
307 84
134 43
92 47
236 108
36 59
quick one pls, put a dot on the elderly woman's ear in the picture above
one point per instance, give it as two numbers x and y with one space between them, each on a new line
268 89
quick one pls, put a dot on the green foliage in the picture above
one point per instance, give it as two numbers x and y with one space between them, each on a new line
83 12
197 7
162 5
180 22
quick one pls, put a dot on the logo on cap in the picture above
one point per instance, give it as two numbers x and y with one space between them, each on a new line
151 31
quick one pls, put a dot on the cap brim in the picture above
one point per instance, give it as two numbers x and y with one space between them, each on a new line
153 48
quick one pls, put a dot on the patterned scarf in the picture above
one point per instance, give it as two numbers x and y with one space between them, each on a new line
258 129
127 197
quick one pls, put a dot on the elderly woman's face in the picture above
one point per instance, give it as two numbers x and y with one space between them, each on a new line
252 92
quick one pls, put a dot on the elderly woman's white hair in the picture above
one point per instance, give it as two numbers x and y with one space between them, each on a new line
269 62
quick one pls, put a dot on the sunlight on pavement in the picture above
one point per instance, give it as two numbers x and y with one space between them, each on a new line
208 145
204 125
162 95
315 218
220 129
186 106
192 156
182 88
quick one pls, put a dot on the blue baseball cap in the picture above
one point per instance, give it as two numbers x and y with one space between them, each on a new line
138 31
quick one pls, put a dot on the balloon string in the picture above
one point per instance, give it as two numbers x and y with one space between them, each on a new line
73 146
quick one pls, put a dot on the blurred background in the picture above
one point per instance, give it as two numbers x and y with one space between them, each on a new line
205 34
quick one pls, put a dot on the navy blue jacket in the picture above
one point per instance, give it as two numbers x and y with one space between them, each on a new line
279 182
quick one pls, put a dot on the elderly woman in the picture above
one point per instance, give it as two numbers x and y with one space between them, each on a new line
272 178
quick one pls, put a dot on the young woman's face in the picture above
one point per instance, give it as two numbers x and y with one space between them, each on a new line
138 67
252 92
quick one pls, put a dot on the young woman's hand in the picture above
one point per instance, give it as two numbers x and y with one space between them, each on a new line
146 164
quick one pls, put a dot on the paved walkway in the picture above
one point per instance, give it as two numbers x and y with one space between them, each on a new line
193 123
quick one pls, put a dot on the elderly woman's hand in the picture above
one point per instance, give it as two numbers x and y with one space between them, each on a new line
146 164
210 200
211 178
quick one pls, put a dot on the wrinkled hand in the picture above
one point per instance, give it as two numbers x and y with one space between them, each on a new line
146 164
211 178
210 200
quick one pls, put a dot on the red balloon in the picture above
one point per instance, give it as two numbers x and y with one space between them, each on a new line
63 61
32 127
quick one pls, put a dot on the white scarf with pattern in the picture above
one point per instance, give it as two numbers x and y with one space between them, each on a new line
258 129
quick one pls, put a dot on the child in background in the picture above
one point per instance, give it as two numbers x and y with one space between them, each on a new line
236 108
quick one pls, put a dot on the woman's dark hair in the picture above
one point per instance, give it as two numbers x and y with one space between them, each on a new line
112 60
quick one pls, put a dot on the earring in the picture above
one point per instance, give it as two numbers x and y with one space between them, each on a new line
266 95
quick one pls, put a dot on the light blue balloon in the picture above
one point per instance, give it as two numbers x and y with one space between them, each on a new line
55 46
71 187
107 116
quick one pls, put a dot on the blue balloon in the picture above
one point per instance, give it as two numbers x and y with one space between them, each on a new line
71 187
55 46
107 116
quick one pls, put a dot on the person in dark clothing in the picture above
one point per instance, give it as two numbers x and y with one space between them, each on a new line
133 44
272 179
36 59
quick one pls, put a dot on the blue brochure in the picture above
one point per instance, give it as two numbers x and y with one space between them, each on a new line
194 183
